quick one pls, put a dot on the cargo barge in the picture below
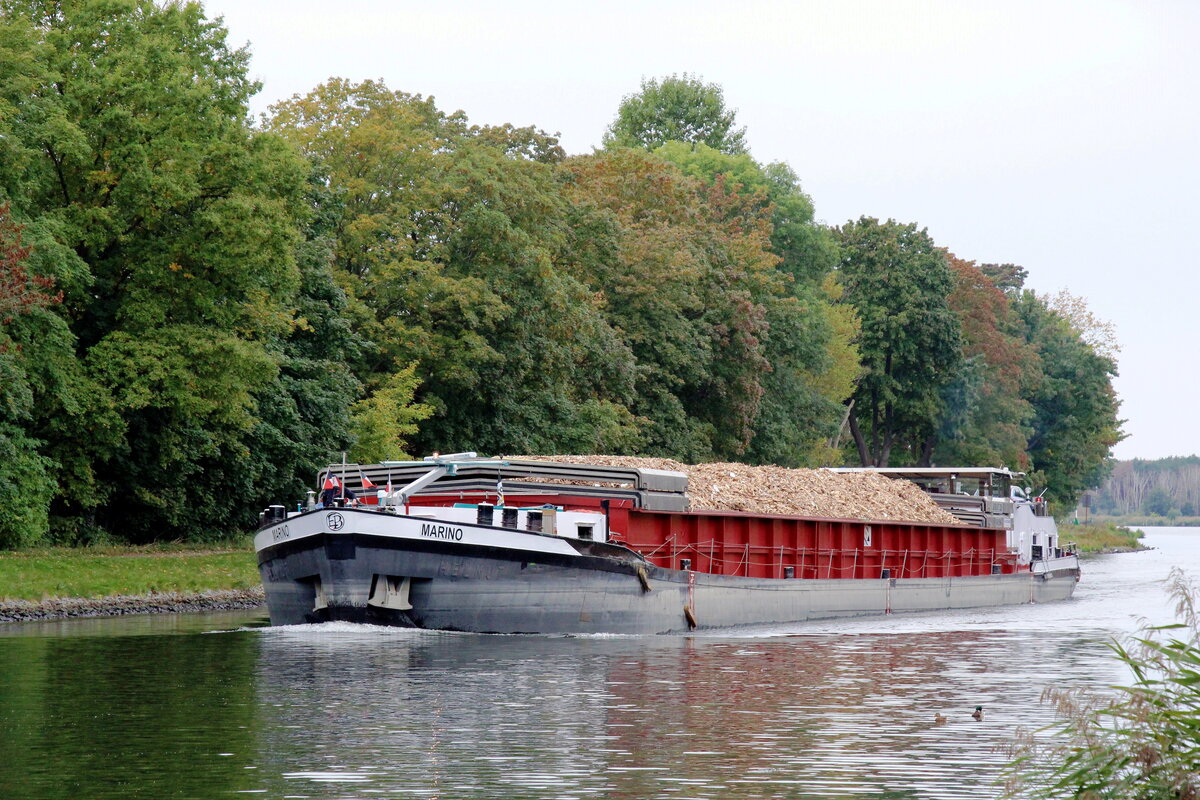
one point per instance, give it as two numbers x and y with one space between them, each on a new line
511 546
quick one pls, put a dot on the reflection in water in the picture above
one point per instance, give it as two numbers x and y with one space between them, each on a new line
842 709
443 715
125 716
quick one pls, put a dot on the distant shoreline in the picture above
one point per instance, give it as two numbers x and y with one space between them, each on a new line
15 611
1148 522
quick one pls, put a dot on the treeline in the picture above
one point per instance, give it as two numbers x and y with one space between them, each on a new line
199 310
1165 487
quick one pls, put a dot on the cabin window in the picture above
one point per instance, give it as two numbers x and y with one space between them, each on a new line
584 532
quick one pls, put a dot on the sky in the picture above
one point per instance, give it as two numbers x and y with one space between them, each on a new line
1060 136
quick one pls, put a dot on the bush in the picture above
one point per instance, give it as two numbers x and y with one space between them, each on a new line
1142 744
25 490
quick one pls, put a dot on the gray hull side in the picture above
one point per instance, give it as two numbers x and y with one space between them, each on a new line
501 593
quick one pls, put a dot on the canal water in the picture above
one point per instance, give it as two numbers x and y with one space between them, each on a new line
211 706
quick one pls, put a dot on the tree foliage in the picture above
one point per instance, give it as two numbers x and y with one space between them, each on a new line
170 227
808 340
986 415
26 485
1075 423
911 343
678 108
385 421
1099 334
448 240
196 313
684 270
20 292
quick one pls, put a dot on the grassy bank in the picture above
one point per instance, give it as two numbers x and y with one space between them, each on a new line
1102 537
109 571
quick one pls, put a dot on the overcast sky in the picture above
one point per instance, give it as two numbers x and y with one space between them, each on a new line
1061 136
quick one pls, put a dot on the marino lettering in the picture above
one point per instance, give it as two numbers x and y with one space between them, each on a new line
441 532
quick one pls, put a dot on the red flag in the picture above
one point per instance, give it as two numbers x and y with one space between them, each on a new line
331 482
366 482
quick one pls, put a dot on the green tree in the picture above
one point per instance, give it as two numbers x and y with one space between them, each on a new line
899 282
386 420
26 485
304 420
1075 423
986 415
801 405
680 108
1159 502
170 227
807 251
1008 278
683 270
448 241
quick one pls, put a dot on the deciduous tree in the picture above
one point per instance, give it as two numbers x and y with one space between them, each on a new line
1075 423
986 416
679 108
170 227
26 476
899 282
683 269
806 343
449 240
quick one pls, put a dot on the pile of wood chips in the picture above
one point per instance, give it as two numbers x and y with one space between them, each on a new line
778 490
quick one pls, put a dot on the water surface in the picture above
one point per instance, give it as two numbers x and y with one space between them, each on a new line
204 706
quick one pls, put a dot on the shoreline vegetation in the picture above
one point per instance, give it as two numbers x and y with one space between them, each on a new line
1097 538
63 582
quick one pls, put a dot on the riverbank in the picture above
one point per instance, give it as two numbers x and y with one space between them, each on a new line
122 605
1099 538
60 582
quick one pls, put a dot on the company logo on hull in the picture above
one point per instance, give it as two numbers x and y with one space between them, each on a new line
335 521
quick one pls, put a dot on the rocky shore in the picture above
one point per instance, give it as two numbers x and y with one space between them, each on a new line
121 605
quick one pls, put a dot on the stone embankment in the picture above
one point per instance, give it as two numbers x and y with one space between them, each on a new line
165 603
